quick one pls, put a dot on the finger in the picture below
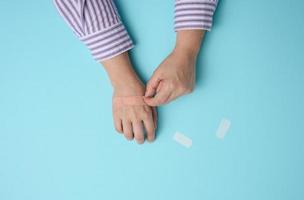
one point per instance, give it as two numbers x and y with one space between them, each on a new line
155 117
138 131
159 87
160 98
152 86
150 128
118 124
127 129
116 119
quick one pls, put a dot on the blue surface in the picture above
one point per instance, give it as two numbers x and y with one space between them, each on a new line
56 135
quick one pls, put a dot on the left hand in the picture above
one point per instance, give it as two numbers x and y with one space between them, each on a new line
174 77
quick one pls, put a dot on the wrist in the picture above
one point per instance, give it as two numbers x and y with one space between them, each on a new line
127 83
129 88
184 51
188 42
123 78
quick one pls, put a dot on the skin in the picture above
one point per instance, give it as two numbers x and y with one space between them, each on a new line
131 121
175 76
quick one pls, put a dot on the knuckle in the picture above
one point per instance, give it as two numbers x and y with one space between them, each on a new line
147 109
189 90
136 119
145 115
183 87
186 89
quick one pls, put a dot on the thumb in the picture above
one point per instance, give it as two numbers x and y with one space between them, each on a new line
152 85
161 96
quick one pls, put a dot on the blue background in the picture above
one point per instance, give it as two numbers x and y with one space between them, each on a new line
57 140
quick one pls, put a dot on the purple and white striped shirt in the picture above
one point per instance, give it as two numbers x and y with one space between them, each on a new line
98 25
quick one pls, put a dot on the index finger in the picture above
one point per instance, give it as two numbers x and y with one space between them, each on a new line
161 97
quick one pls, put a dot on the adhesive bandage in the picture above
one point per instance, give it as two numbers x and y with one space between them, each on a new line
223 128
129 100
182 139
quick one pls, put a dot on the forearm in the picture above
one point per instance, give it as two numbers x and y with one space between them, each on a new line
189 41
191 19
97 24
122 75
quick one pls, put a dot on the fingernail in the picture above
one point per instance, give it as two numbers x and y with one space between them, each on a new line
150 140
140 141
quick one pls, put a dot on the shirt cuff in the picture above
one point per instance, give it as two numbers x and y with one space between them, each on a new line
108 43
194 14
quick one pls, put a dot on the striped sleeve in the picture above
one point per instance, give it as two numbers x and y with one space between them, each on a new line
97 24
194 14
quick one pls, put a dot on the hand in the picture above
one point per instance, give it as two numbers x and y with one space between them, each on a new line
134 120
130 120
175 76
